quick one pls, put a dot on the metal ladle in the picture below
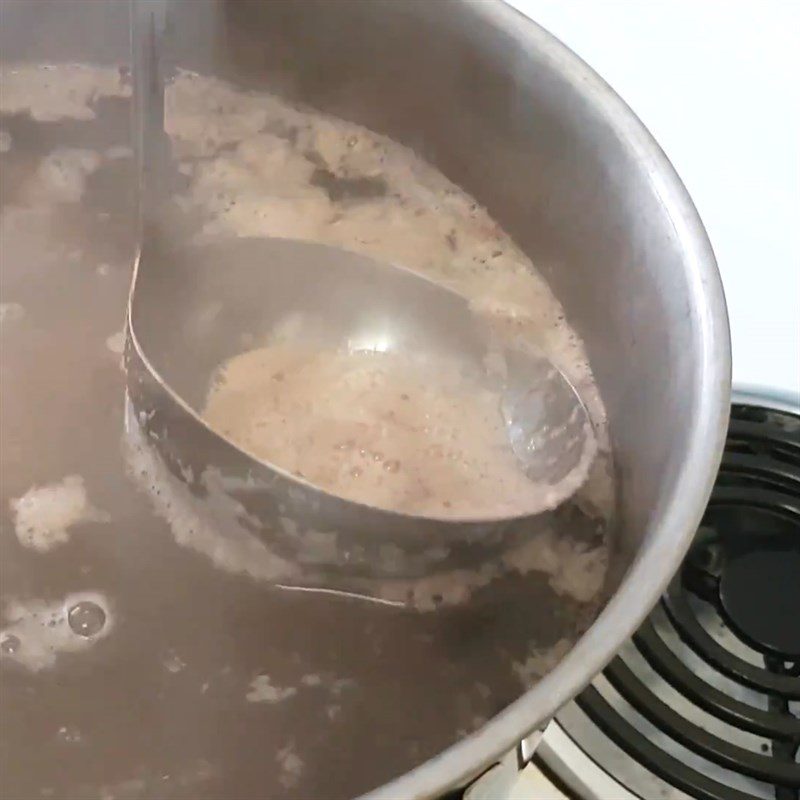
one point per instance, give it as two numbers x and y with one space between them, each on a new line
193 306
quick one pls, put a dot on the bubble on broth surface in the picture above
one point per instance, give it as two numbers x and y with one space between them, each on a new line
86 618
9 644
44 515
38 631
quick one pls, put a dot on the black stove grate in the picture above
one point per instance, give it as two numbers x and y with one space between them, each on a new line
745 566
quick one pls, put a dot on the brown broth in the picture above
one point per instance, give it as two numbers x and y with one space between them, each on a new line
204 679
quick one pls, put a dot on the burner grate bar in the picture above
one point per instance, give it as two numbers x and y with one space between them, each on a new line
712 747
780 475
762 434
650 755
708 697
693 634
785 505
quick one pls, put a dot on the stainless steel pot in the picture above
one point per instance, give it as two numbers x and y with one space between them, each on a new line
517 120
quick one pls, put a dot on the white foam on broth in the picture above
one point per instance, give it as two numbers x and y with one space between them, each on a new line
44 515
38 631
413 435
54 92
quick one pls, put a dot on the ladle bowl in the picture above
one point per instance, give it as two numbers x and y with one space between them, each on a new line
193 307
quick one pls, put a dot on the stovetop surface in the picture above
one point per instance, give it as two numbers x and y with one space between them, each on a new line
704 701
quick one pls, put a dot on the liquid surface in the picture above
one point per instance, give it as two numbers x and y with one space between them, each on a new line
376 428
194 651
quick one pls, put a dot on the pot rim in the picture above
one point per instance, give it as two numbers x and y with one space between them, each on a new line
682 511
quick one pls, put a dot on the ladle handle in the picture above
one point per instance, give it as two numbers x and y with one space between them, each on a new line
149 25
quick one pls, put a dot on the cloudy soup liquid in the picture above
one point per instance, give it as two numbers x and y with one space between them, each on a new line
144 647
